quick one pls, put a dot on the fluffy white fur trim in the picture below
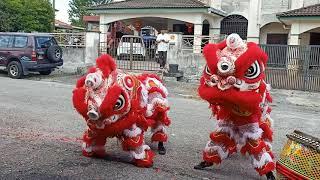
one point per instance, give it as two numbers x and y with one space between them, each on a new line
248 131
89 149
133 132
211 147
151 106
140 153
144 96
265 158
159 128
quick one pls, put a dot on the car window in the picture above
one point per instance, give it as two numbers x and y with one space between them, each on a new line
20 41
146 32
45 41
5 41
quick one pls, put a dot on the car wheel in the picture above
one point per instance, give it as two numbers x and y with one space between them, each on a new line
47 72
15 70
54 53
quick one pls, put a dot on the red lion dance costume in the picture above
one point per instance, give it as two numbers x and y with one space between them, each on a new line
117 104
233 84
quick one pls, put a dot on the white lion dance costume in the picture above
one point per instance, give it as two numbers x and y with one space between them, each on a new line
116 104
233 84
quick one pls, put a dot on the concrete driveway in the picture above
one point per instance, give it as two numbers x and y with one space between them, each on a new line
40 131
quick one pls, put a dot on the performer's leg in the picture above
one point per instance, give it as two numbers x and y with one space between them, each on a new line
159 135
93 144
133 142
157 110
259 151
218 148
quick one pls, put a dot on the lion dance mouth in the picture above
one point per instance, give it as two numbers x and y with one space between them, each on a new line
233 84
117 104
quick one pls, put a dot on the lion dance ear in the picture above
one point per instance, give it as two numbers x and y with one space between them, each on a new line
210 54
106 64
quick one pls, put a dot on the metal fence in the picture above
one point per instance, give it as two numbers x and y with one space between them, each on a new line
293 67
188 41
76 40
132 52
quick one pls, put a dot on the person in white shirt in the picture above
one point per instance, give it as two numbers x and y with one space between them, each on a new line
163 43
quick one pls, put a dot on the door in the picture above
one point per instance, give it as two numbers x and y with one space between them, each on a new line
6 42
314 62
314 38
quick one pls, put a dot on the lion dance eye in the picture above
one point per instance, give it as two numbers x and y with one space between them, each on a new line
253 71
207 70
120 103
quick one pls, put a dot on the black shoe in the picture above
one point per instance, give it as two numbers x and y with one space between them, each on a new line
270 176
203 165
161 149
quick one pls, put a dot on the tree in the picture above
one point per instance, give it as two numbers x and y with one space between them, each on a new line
26 15
78 9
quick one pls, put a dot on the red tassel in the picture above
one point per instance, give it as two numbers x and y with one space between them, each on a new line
159 137
131 143
253 147
211 158
270 166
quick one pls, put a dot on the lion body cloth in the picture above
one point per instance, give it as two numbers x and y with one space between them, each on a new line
233 84
117 104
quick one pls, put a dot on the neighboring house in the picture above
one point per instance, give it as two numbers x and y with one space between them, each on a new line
261 21
65 27
92 23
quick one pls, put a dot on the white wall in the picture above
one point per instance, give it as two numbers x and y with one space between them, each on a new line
275 28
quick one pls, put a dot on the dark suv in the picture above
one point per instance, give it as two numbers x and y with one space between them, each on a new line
22 53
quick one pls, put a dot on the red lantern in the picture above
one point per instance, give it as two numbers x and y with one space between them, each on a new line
189 27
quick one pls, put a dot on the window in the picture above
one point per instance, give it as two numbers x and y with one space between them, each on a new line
43 41
20 41
5 41
277 39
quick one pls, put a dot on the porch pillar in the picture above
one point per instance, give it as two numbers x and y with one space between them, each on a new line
214 30
103 27
254 21
294 34
197 38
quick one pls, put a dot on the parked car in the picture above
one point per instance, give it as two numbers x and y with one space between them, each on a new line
149 37
131 45
21 53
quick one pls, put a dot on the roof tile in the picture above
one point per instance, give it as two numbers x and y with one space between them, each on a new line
313 10
140 4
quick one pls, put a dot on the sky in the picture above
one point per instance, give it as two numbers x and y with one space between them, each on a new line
62 14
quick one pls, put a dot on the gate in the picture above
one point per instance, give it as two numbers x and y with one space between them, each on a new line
132 53
293 67
235 24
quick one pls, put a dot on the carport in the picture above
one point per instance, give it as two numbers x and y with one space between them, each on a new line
190 17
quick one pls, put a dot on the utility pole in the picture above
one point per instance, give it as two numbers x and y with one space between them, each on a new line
54 14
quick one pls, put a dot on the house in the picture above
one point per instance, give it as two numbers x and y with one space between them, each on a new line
262 21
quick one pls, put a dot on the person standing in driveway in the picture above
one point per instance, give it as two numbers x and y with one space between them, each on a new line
163 43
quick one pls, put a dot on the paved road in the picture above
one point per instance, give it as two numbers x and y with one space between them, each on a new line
39 133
